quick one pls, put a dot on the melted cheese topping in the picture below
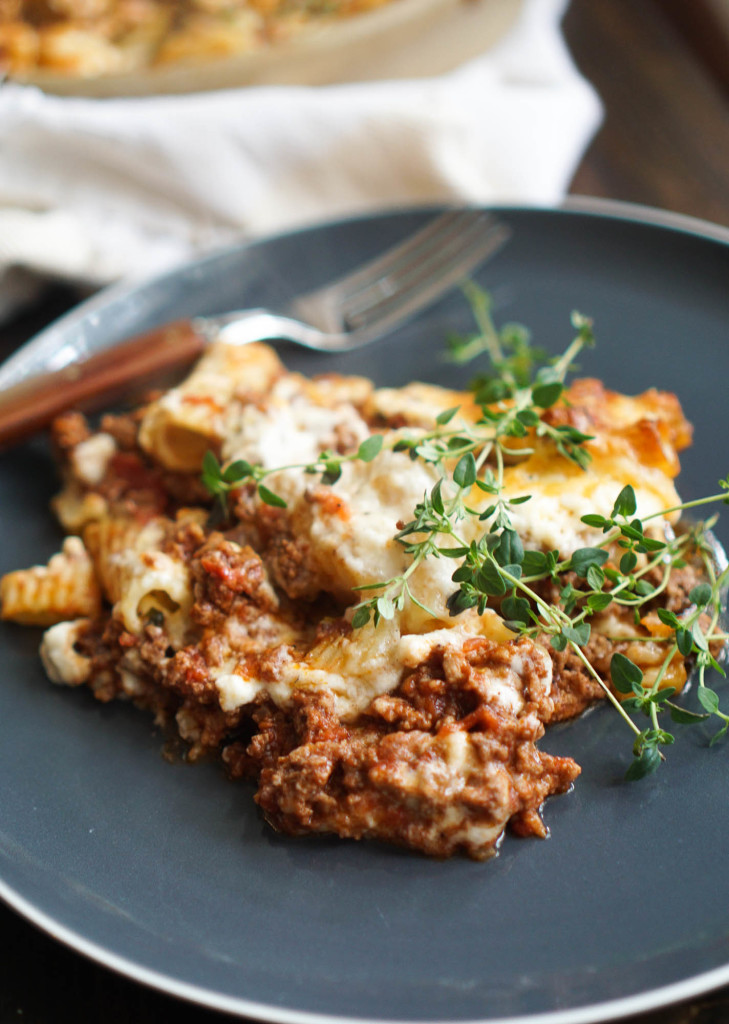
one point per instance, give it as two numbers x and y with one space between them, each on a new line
243 402
561 493
294 424
358 667
351 540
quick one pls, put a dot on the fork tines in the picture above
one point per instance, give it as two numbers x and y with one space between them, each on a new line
433 260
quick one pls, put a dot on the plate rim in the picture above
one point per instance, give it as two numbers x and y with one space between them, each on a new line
43 343
652 999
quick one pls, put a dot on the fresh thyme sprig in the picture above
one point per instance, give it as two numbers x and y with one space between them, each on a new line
538 593
631 566
470 456
498 571
221 480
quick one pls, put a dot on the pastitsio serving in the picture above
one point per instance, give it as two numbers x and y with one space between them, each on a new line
372 601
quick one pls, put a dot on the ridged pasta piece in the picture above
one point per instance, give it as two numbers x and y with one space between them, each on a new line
139 579
110 539
185 422
64 589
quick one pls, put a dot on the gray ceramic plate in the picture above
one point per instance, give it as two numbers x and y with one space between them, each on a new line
168 874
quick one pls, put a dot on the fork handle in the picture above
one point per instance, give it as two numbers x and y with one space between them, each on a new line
91 383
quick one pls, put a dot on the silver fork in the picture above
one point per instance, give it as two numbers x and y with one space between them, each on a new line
378 296
345 314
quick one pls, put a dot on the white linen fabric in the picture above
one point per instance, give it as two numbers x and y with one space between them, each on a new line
97 190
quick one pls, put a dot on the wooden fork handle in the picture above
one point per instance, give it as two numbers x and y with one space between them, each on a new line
101 378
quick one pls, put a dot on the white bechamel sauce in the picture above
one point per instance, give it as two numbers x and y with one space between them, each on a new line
358 546
131 683
358 667
354 668
90 459
289 428
234 690
457 751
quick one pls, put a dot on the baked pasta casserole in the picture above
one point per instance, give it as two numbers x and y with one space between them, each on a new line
89 38
242 628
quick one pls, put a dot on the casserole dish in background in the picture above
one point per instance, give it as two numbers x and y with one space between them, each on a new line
399 39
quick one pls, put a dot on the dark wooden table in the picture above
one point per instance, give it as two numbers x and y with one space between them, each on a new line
662 69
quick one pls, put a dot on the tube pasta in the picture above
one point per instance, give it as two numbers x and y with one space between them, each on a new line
137 577
181 426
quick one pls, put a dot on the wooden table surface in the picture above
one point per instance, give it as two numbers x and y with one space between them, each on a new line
661 70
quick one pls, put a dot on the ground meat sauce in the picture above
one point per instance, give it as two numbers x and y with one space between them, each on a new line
392 775
434 765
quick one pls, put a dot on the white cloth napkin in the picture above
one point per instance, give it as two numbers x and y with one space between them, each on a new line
97 190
